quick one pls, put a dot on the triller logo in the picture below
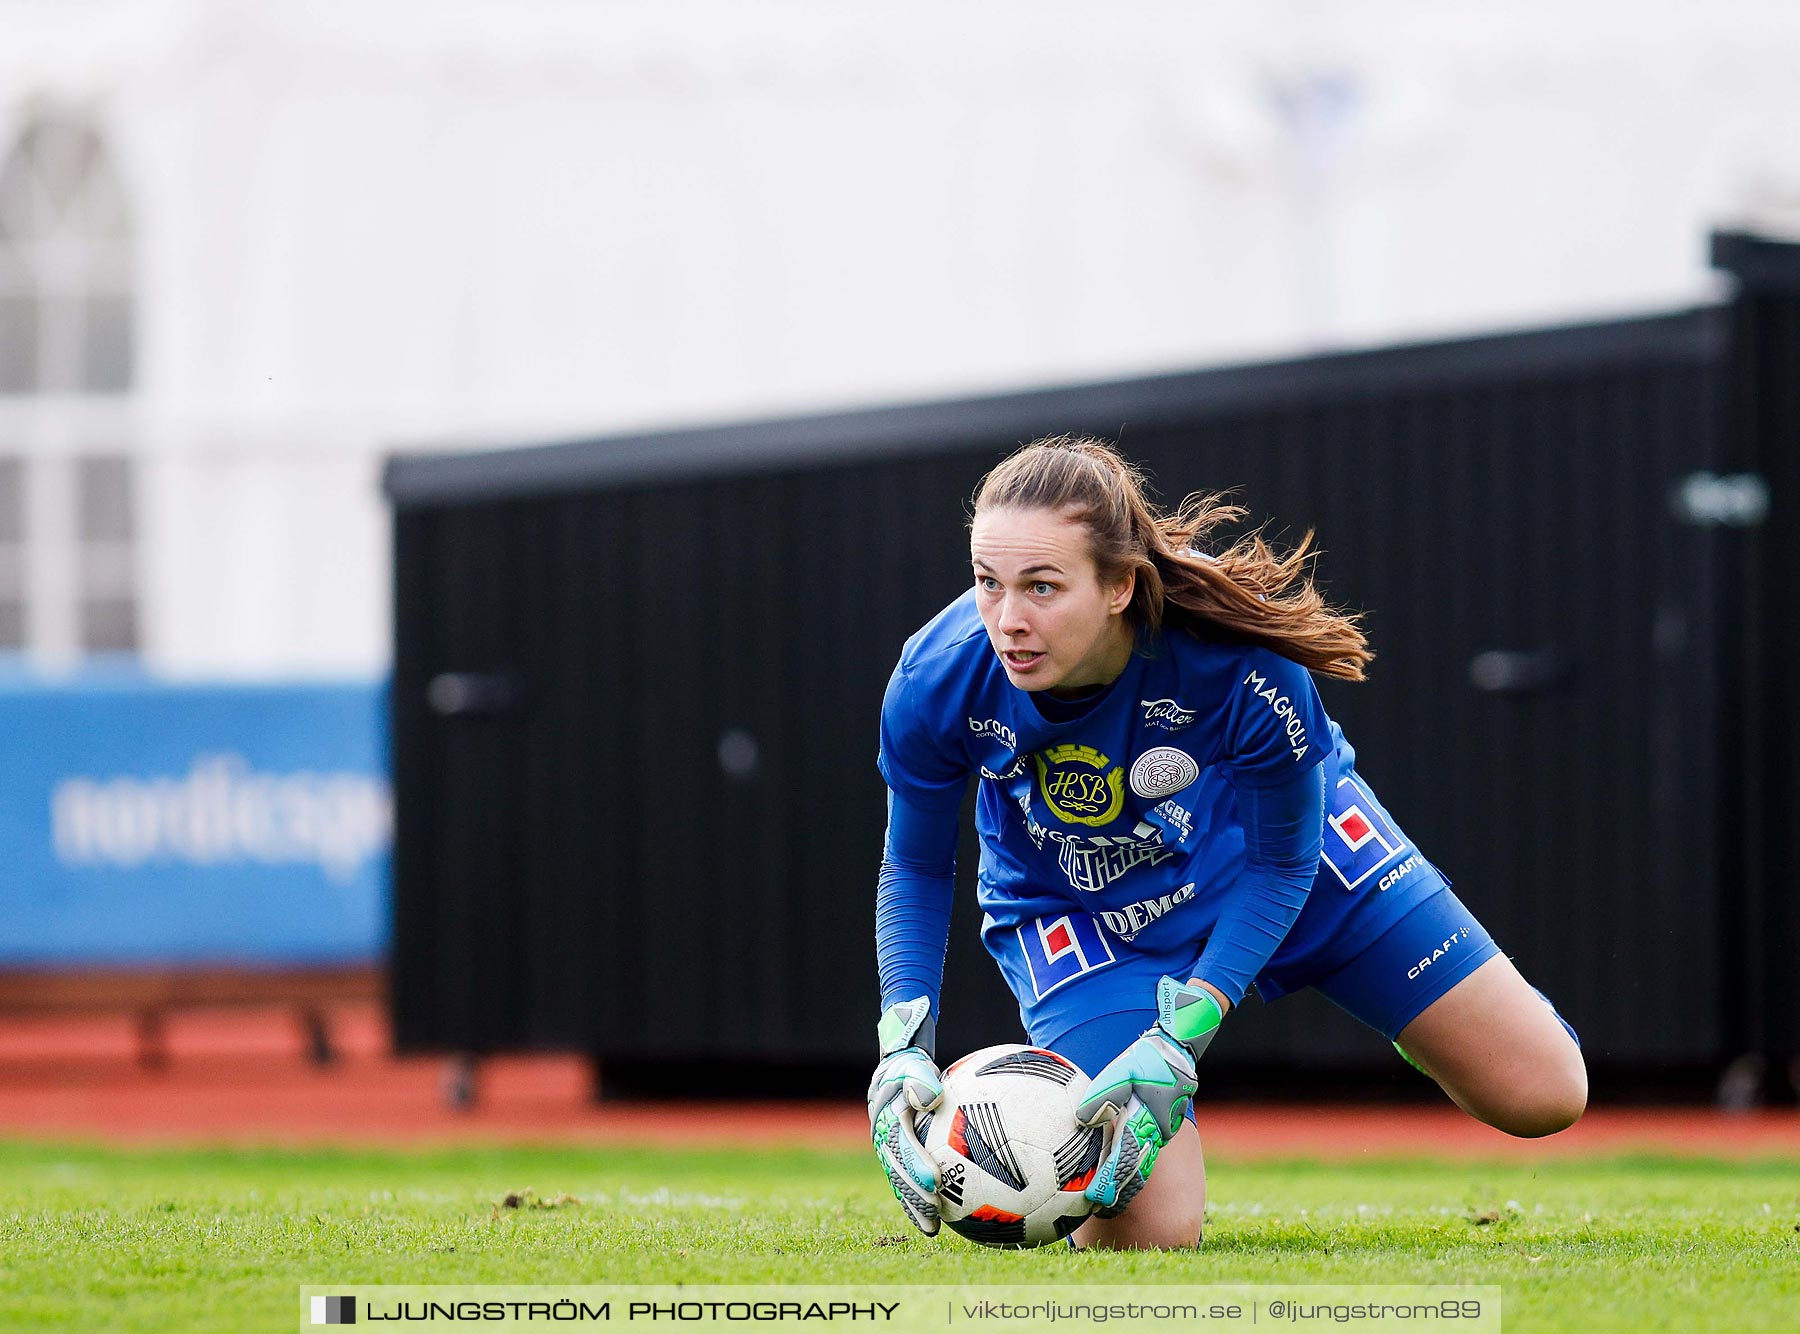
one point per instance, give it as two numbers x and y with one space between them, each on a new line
334 1310
1167 714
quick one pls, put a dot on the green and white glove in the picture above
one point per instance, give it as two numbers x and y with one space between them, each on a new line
907 1082
1144 1093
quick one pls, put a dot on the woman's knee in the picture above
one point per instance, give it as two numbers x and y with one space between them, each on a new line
1551 1103
1168 1213
1502 1053
1143 1229
1547 1095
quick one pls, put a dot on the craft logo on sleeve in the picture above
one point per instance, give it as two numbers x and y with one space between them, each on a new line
334 1310
1080 785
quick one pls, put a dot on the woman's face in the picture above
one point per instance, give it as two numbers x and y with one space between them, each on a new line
1055 625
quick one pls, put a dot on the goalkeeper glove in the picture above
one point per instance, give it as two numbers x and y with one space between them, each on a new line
907 1082
1146 1091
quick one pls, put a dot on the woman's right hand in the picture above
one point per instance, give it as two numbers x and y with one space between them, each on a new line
907 1082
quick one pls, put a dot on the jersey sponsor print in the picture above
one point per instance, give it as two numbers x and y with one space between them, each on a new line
1361 839
1080 785
1126 922
993 727
1292 724
1060 949
1180 819
1167 715
1091 862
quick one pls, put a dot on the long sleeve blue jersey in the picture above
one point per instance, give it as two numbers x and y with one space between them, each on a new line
1175 823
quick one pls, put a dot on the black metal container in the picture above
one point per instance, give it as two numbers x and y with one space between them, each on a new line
637 683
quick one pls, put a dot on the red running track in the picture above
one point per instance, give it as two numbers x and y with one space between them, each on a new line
240 1078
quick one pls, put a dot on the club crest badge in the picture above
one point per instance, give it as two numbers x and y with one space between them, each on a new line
1080 785
1163 771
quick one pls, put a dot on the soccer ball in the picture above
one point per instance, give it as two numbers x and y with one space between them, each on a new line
1011 1160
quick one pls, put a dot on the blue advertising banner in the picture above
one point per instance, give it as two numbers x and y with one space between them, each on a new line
155 824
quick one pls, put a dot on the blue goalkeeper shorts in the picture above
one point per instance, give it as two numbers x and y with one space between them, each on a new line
1386 985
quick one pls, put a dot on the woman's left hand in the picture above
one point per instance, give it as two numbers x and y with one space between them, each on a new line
1145 1092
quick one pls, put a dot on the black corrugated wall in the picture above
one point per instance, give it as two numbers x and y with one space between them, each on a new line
637 681
1761 735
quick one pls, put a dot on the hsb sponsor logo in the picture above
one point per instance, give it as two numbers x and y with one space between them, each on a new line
1080 785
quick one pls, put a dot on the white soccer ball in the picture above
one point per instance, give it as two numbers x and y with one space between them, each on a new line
1012 1161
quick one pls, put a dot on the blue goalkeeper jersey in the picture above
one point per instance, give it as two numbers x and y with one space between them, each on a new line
1115 832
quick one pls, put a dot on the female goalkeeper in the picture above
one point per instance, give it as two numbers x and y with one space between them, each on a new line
1166 815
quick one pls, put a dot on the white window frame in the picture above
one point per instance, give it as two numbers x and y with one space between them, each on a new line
55 421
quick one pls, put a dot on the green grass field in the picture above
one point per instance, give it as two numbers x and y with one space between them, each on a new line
93 1238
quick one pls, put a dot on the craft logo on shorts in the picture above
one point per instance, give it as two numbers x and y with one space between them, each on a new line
1437 952
1167 714
334 1310
1080 785
1359 838
1060 949
1162 771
